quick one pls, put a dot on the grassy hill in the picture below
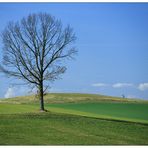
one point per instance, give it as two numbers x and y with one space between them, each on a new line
68 98
73 119
90 105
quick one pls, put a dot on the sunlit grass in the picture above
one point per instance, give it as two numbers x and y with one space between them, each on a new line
73 119
63 129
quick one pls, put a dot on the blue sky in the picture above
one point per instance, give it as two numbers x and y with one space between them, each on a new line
112 40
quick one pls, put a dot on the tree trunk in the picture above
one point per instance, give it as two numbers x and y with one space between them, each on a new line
41 97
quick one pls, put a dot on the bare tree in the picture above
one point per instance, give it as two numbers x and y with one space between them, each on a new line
34 50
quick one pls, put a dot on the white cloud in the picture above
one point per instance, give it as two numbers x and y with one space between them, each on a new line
131 96
143 86
99 84
120 85
10 93
14 91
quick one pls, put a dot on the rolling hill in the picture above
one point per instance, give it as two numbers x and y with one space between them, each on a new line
68 98
73 119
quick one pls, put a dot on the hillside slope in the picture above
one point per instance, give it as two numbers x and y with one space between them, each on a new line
68 98
73 119
63 129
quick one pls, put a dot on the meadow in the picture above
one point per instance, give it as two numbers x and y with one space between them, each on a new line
74 119
108 110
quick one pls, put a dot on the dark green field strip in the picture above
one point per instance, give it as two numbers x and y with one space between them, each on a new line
120 111
113 111
63 129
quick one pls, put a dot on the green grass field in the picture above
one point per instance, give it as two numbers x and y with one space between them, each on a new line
133 112
74 119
